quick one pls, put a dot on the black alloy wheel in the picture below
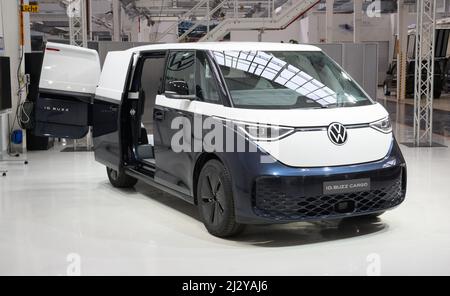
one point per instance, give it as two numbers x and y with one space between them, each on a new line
215 200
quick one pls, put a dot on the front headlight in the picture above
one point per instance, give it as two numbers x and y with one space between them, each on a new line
383 125
262 132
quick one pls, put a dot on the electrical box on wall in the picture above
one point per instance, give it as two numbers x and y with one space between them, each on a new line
5 84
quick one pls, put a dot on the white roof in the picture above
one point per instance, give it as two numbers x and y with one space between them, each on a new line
113 76
227 46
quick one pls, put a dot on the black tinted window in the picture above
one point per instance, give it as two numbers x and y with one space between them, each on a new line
180 74
205 85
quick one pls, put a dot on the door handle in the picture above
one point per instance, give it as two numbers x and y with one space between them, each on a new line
158 115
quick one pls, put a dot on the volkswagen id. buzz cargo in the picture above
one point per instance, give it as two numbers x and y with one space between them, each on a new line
250 133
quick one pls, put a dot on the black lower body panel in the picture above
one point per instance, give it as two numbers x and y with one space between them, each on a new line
302 198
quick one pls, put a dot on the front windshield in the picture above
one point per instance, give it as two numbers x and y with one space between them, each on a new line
287 80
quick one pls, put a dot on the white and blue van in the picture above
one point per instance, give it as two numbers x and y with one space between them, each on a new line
249 133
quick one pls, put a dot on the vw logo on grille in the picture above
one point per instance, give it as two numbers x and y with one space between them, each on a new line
337 133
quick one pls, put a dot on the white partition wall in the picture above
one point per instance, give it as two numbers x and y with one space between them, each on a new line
359 60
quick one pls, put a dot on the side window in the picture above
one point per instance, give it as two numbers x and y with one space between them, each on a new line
180 74
205 85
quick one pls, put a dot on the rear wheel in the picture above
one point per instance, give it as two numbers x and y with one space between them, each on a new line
119 179
215 200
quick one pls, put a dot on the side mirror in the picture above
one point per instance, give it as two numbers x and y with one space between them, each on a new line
178 86
178 90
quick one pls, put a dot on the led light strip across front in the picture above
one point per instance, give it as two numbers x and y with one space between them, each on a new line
290 132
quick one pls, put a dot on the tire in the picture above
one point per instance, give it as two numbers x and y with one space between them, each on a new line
215 200
120 179
386 90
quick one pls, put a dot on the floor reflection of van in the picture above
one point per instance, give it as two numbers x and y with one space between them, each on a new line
249 133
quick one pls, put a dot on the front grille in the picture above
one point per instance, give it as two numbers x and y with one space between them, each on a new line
270 202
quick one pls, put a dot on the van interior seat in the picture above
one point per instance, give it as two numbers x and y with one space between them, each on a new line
151 78
145 148
150 81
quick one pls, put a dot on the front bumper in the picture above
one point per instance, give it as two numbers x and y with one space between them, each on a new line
302 198
275 193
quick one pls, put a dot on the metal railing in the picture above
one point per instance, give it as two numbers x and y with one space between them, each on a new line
211 20
277 17
207 19
186 16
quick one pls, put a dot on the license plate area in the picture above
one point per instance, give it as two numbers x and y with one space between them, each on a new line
346 186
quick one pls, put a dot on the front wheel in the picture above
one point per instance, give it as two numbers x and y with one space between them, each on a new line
119 179
215 200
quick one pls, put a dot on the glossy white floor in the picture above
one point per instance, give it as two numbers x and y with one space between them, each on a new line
59 215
